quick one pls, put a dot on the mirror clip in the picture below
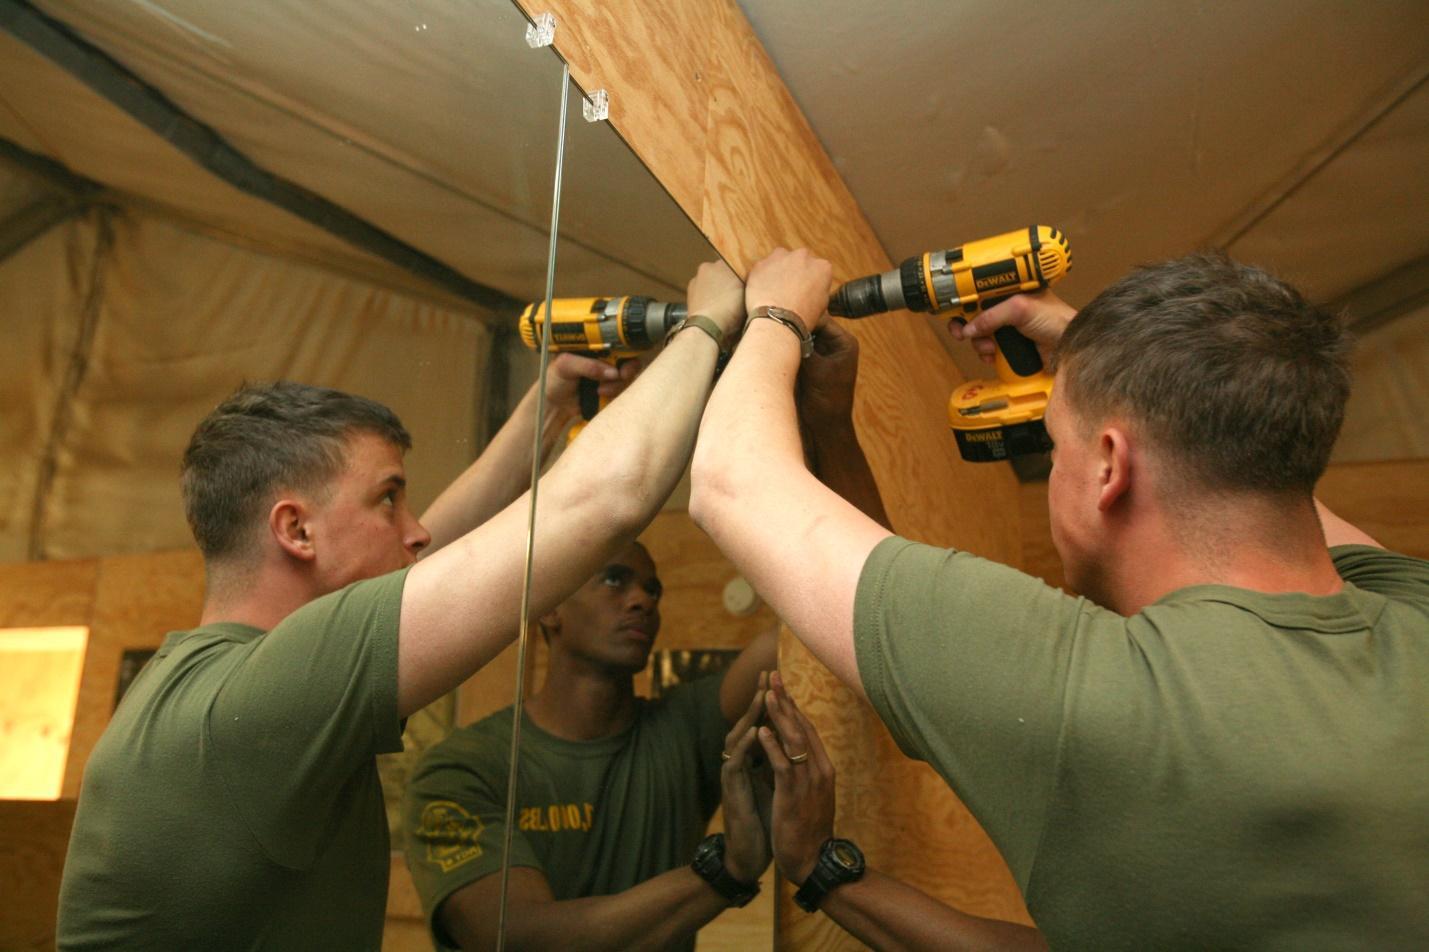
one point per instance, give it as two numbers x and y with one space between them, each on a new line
542 31
596 106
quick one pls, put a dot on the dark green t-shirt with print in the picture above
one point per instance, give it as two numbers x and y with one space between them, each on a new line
233 801
596 817
1225 769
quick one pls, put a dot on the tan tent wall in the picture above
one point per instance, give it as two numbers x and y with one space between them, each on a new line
125 328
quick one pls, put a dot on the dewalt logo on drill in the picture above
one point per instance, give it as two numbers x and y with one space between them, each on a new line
999 275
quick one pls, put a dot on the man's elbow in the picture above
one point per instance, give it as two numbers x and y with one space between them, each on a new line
714 488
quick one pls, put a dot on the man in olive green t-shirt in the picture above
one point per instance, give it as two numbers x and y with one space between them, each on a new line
613 791
233 801
1221 743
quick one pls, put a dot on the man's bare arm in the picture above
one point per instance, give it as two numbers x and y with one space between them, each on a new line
503 470
881 911
460 605
825 396
886 913
653 915
1340 532
800 545
741 679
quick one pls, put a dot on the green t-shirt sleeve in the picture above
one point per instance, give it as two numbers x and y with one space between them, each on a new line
1382 572
304 710
967 662
454 815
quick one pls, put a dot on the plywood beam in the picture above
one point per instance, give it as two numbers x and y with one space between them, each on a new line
697 98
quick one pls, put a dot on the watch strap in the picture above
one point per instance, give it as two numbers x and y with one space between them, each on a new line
703 323
709 866
789 319
829 873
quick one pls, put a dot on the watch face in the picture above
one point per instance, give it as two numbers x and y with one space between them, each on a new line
844 855
709 856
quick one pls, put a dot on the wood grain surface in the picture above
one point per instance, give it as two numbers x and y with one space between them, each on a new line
1389 500
138 599
696 97
34 835
47 594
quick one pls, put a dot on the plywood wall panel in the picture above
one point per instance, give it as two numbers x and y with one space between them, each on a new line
34 836
698 100
138 599
1389 500
47 594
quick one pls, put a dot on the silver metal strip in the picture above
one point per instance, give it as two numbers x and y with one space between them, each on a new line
525 621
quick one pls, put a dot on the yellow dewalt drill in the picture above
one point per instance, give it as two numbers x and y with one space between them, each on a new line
611 329
991 419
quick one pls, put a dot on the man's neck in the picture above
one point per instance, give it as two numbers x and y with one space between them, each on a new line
260 597
582 702
1247 545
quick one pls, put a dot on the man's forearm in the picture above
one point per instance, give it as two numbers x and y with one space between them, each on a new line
750 429
799 544
839 462
654 915
460 606
500 474
741 679
885 913
1340 532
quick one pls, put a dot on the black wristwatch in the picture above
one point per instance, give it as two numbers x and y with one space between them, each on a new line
839 862
709 866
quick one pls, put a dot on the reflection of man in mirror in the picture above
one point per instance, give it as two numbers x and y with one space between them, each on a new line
234 797
614 791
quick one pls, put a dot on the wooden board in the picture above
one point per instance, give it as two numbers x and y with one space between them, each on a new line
138 599
696 97
39 681
1389 500
47 594
34 836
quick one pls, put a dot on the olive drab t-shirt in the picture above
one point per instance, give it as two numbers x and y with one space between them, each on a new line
596 817
233 801
1225 769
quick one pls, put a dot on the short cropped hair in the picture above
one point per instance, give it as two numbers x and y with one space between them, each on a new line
266 438
1231 374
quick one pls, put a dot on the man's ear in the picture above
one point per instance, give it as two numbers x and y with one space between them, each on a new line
288 522
1114 466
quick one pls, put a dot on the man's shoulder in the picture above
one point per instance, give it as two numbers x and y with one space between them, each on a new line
686 701
482 738
1381 571
377 597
